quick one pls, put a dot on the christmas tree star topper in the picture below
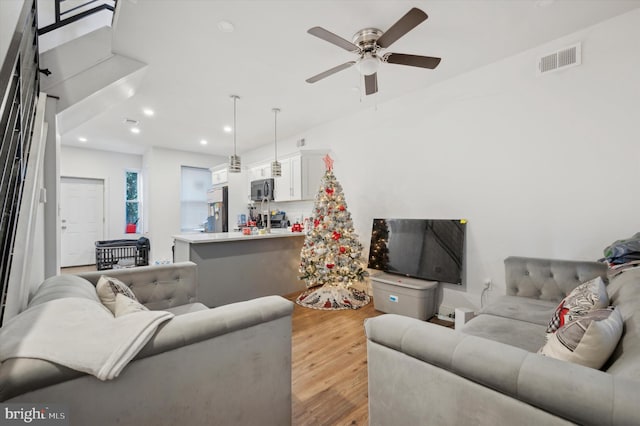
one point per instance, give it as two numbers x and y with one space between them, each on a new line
328 161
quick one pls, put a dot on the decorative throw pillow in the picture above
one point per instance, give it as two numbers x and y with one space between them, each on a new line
582 299
588 341
107 289
124 305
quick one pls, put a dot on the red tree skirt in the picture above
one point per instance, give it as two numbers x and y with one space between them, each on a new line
332 297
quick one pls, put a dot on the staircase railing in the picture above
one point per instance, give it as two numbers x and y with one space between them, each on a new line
74 12
19 88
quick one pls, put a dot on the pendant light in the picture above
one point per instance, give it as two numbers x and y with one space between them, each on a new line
276 167
234 160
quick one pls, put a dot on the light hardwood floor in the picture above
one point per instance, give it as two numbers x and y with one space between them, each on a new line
78 269
329 366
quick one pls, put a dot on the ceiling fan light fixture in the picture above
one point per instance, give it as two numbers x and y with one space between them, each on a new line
369 43
368 64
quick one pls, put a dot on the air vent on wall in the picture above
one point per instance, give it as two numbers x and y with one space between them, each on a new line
560 59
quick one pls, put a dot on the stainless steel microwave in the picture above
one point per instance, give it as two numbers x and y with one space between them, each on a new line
261 189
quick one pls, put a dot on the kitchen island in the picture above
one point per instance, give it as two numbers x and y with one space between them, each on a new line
233 267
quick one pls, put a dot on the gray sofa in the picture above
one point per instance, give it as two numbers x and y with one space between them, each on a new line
488 373
227 365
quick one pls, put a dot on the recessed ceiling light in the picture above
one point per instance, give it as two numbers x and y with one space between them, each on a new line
135 130
82 139
203 142
148 112
225 26
227 129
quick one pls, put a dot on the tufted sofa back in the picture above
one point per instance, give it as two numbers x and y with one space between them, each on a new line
548 279
158 286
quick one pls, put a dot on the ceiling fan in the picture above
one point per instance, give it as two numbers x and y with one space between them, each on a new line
369 44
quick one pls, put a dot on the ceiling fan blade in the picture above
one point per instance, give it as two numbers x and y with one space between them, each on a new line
327 73
334 39
371 83
411 60
405 24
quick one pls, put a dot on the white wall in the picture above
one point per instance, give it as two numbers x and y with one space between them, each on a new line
161 189
162 199
540 166
111 167
51 175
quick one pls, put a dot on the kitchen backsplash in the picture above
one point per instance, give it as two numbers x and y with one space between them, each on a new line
296 210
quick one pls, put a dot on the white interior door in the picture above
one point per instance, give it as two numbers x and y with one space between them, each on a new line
82 220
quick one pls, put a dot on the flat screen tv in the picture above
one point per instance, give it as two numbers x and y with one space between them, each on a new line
428 249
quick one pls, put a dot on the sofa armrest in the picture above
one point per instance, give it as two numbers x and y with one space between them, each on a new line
570 391
157 286
197 326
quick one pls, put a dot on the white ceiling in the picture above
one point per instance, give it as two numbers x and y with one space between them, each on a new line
194 67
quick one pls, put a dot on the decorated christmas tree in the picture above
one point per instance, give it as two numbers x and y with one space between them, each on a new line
330 260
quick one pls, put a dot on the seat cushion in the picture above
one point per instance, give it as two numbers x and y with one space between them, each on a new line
522 334
526 309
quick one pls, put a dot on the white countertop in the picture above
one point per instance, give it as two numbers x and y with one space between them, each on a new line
219 237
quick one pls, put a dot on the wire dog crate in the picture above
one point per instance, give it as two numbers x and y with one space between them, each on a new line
117 254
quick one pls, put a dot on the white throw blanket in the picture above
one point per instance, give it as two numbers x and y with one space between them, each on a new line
80 334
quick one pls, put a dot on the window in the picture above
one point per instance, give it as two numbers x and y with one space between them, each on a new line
133 202
193 198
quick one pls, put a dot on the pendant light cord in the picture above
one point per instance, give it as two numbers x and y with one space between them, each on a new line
275 131
235 99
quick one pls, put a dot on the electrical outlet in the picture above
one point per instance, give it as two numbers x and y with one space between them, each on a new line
446 311
487 283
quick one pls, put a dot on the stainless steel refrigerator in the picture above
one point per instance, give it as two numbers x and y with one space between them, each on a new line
218 201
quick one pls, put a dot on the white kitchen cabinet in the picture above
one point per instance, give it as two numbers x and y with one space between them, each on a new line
289 185
255 172
219 174
301 175
261 171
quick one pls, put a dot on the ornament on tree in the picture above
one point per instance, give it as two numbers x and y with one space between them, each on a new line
330 260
